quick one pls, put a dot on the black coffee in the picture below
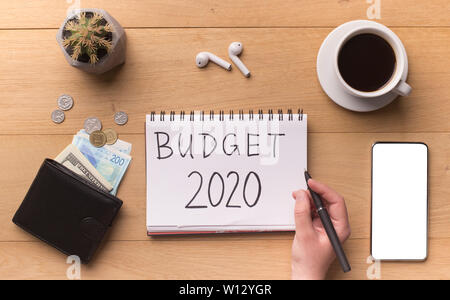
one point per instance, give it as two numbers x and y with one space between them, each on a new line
366 62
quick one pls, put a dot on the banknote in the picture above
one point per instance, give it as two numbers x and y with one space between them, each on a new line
120 145
109 162
75 161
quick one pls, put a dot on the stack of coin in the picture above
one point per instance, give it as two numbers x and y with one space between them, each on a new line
58 116
111 136
65 103
121 118
98 138
92 124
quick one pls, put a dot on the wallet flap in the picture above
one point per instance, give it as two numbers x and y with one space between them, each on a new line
67 211
92 229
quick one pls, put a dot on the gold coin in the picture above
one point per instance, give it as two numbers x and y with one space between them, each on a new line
98 139
111 136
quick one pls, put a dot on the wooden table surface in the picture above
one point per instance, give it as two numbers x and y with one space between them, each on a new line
281 40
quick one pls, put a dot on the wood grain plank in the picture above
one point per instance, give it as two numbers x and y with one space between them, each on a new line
160 75
210 258
340 160
234 13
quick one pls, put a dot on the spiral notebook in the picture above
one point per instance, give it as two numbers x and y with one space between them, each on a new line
224 172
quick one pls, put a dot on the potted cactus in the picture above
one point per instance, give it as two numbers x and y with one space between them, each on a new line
92 41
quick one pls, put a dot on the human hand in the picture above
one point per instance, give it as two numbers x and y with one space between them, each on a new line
312 252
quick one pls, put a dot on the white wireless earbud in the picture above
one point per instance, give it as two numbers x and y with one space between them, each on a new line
203 59
234 50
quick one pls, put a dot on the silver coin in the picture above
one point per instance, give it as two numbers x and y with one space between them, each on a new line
58 116
65 102
92 124
121 118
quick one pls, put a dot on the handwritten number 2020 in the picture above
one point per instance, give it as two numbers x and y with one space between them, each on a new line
218 177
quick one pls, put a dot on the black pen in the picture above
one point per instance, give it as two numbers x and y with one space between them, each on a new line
329 228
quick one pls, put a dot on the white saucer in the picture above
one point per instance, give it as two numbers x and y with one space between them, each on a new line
330 82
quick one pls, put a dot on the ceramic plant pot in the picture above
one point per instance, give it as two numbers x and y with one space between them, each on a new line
107 60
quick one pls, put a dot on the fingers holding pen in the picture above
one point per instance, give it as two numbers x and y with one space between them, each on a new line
303 219
334 201
336 207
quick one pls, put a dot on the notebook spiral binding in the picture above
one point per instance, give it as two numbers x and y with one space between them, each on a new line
231 116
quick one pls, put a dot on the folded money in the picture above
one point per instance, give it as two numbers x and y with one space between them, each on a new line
75 161
109 161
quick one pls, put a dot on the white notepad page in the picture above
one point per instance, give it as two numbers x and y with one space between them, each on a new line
237 174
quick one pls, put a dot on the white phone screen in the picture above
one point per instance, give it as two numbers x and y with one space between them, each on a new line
399 201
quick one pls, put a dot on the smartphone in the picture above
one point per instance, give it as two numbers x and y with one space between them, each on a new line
399 228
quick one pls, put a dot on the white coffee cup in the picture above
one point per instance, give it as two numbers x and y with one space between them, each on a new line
395 84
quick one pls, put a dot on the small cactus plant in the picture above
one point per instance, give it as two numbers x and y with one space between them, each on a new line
92 40
88 37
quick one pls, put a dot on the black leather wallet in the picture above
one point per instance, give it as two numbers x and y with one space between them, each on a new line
66 211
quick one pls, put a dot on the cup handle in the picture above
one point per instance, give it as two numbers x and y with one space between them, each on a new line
403 89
